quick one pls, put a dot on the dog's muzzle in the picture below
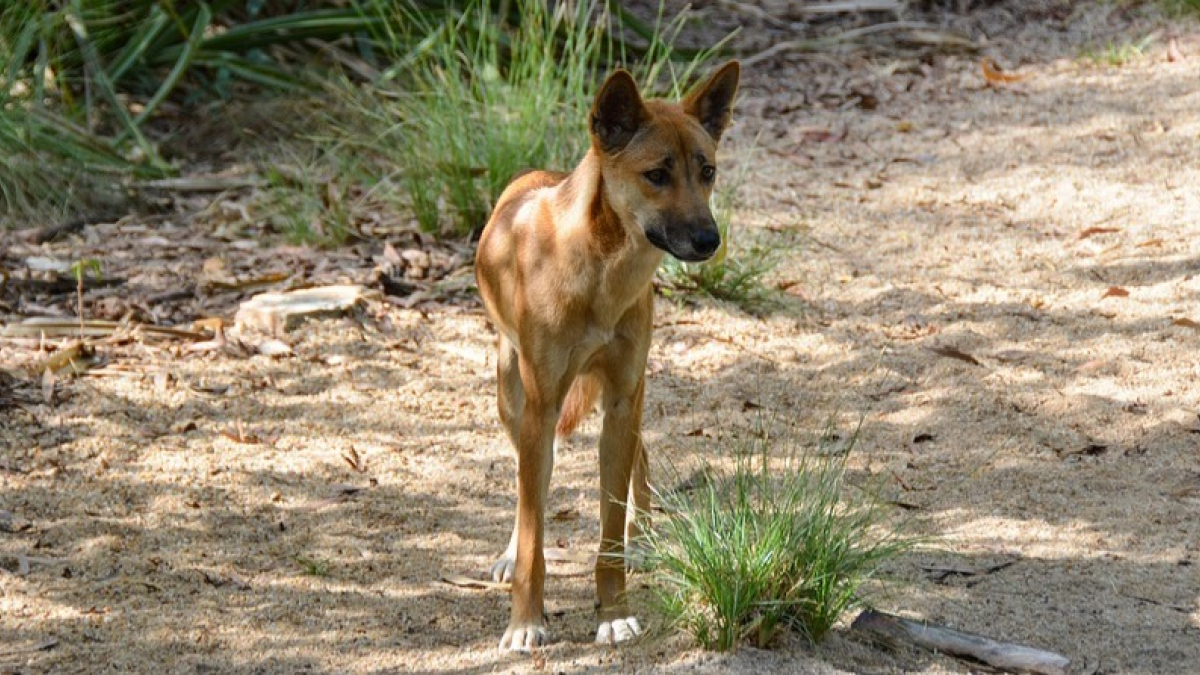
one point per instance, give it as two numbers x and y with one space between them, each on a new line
689 243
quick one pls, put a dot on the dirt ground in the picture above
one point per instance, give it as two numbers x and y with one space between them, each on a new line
1003 279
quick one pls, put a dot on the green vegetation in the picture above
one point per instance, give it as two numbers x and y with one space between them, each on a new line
737 279
1181 8
313 567
775 542
81 82
1119 54
473 99
423 108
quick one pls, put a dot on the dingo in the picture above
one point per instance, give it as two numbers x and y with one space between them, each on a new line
564 267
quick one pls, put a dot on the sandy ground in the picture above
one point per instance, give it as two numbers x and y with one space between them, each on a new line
995 221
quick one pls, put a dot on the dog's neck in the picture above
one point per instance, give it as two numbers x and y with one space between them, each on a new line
626 258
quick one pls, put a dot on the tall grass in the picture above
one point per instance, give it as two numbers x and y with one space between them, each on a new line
774 542
478 97
81 80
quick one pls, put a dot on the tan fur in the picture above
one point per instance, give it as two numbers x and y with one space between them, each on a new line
564 267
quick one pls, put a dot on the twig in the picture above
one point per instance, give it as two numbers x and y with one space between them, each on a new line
756 12
1016 658
41 235
817 44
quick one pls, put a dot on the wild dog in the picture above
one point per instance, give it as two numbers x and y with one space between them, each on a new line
564 266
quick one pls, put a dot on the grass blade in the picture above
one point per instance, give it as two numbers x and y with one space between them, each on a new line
203 19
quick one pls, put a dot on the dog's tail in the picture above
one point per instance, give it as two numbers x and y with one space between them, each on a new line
579 403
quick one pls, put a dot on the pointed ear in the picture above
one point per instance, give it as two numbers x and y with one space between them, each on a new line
617 112
712 102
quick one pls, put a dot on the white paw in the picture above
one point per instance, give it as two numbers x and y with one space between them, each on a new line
524 638
618 631
502 569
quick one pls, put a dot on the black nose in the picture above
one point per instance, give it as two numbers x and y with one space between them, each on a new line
705 240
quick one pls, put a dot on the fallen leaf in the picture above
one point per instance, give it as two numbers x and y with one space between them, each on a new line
467 582
42 646
561 515
1150 242
1174 55
822 135
212 323
240 436
750 405
275 348
1135 408
993 75
1186 323
939 573
1115 292
48 381
356 462
1098 230
12 523
1089 450
951 352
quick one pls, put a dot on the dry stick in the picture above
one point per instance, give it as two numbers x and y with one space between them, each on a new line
817 44
1014 658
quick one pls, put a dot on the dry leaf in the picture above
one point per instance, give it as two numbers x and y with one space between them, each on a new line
12 523
951 352
356 462
467 582
1150 242
48 380
565 514
1174 55
275 348
993 75
1186 323
240 436
212 323
1115 292
1097 230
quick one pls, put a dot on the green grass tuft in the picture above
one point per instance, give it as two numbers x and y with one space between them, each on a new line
775 542
1181 8
1118 54
313 567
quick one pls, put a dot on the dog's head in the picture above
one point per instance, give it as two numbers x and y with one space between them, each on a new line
658 159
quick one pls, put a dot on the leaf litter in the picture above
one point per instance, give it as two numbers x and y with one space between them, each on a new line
980 242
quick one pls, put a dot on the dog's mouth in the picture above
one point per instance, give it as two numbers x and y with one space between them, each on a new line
691 249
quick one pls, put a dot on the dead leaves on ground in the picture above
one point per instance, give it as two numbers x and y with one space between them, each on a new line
954 353
994 76
240 435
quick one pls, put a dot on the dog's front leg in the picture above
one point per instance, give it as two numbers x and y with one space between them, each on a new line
620 441
535 457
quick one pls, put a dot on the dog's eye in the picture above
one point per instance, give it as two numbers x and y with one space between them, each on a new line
657 177
708 173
